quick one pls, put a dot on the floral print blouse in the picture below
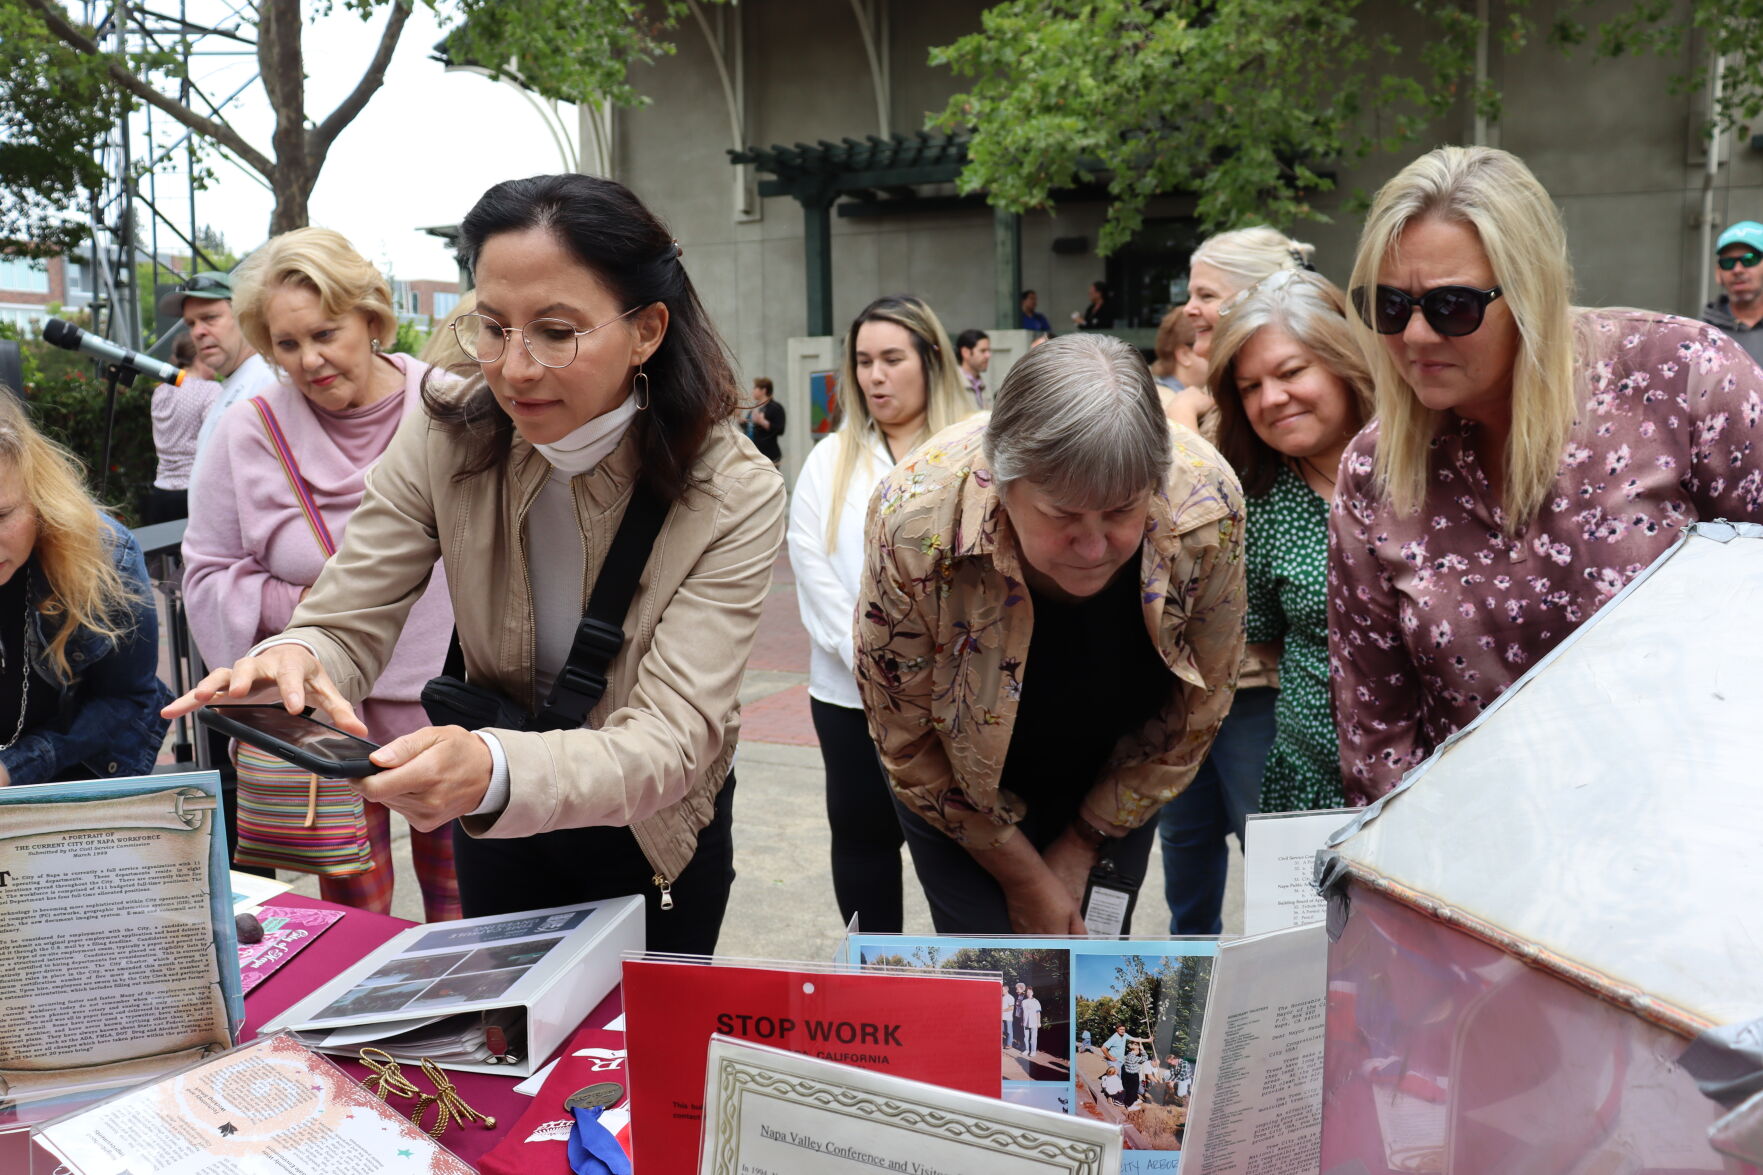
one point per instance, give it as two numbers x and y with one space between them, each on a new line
1434 615
944 622
1286 576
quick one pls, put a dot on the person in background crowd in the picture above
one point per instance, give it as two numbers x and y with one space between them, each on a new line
1739 309
1178 366
766 421
1099 314
903 388
1112 1087
178 411
1032 319
1009 1009
1033 692
204 302
252 553
79 633
974 348
1292 390
1196 825
596 371
1528 458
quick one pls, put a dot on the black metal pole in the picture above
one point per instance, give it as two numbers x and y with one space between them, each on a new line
113 375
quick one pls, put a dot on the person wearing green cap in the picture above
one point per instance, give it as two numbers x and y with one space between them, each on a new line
1739 310
205 302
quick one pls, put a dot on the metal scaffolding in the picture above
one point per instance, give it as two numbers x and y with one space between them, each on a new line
121 234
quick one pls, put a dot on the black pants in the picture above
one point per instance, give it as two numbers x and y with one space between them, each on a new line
964 898
587 864
860 809
167 505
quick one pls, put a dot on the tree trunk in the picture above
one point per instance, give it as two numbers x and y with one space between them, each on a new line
281 65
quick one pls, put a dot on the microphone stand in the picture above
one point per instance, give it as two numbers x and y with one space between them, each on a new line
114 374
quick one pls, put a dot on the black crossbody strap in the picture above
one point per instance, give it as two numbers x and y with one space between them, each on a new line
600 635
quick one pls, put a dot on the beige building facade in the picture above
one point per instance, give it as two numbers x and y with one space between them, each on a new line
1621 153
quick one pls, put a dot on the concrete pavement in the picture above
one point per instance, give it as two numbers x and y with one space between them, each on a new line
782 906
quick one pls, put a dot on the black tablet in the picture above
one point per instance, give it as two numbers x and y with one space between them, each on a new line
300 739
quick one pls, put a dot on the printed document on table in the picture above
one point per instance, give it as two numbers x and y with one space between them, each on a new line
272 1107
782 1113
1279 867
1258 1097
118 960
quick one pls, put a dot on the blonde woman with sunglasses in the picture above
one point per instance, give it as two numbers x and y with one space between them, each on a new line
1529 458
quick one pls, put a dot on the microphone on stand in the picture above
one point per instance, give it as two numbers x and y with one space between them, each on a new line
72 338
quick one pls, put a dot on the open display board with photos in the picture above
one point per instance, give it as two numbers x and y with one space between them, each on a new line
1107 1029
118 954
486 995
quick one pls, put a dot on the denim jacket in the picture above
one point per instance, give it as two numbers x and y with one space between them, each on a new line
107 719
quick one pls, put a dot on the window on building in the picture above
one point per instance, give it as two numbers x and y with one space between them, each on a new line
24 274
445 303
1150 275
28 319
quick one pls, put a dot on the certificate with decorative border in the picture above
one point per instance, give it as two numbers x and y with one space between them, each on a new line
770 1112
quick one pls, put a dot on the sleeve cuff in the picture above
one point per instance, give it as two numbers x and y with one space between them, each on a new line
496 796
279 640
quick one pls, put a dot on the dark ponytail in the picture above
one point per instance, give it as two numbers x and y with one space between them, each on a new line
607 229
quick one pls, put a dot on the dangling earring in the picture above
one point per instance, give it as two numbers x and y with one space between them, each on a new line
640 388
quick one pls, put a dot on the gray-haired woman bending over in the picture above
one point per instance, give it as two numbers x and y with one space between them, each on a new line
1048 631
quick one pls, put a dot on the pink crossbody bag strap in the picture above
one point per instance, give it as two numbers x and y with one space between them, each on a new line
272 426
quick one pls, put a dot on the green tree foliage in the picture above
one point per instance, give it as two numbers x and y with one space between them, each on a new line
68 402
1247 104
54 111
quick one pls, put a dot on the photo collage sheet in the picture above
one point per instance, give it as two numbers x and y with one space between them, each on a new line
1108 1029
448 967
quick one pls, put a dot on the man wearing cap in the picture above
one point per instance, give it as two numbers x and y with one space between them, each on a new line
1739 311
204 302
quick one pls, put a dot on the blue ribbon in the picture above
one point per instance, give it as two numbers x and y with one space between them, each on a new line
592 1149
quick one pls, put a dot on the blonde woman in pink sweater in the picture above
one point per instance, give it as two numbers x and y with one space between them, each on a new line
321 314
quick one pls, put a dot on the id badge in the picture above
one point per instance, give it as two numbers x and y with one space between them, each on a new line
1108 902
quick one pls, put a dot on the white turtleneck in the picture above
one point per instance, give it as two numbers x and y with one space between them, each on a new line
590 444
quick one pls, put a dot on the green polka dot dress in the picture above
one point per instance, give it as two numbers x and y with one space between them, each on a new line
1286 565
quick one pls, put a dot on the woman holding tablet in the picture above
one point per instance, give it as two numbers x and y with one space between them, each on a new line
595 380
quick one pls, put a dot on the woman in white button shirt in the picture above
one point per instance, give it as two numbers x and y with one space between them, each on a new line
899 383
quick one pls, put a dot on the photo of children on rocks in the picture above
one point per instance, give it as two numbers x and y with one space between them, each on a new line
1034 1034
1138 1026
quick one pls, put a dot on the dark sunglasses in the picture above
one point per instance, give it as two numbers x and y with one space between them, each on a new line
1748 259
1452 311
203 281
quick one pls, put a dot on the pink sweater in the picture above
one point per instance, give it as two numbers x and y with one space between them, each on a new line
249 551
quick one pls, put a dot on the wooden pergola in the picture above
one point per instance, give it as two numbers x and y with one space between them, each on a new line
886 173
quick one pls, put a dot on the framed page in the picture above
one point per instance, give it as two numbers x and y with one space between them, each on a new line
787 1114
118 952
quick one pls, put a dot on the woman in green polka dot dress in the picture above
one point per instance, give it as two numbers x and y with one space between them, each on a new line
1291 390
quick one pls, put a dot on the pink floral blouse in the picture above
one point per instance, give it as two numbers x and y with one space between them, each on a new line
1433 615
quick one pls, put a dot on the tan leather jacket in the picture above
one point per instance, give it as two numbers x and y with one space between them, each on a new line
664 734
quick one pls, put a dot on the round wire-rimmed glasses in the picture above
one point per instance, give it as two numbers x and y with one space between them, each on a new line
552 342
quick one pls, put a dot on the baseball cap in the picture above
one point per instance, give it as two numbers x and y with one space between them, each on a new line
219 286
1745 232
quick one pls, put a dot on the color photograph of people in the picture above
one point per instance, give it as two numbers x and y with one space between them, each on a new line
1141 1015
1034 1035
